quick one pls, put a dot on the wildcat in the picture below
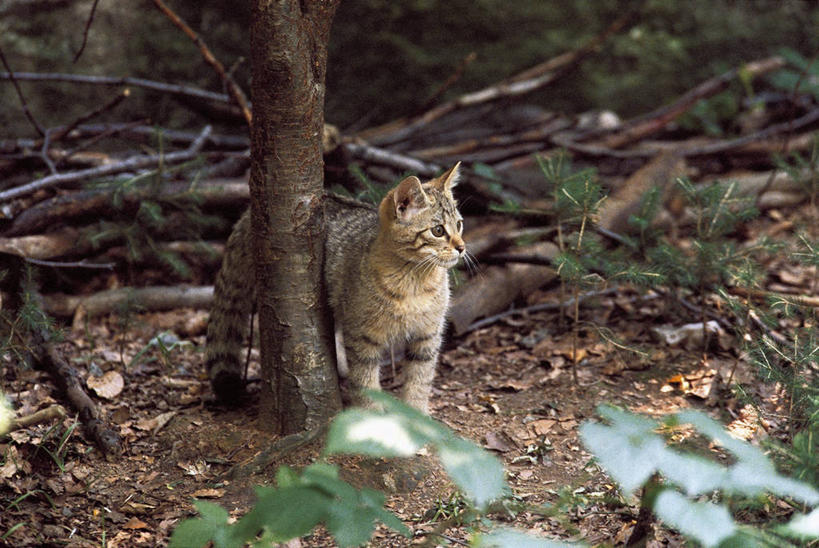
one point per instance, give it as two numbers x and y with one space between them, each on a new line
385 271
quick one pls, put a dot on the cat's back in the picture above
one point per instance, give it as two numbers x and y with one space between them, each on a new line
351 227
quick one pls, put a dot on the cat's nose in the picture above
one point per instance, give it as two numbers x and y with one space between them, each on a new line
460 248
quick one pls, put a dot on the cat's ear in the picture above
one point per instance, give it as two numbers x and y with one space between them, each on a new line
409 198
448 180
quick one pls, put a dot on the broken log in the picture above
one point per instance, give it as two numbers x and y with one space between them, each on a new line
495 288
140 298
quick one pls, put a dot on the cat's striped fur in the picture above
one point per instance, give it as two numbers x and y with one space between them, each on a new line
386 276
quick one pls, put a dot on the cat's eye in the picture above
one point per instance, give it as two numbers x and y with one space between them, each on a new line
460 226
438 231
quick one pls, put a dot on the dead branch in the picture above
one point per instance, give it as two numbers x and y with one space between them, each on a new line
801 300
131 164
26 111
656 120
140 298
448 83
233 88
85 31
495 288
64 208
69 381
50 413
520 84
162 87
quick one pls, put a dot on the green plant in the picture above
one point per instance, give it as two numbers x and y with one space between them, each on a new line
576 196
676 483
317 495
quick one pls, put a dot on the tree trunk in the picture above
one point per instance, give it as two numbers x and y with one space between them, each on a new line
288 56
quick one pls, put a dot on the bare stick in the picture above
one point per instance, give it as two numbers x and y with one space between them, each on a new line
659 118
20 95
144 298
85 31
233 88
523 83
163 87
52 412
131 164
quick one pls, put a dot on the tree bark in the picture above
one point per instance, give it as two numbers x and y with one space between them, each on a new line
288 58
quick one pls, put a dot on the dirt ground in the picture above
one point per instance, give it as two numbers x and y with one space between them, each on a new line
507 387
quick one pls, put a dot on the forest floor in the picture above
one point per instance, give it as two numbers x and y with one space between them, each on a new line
508 387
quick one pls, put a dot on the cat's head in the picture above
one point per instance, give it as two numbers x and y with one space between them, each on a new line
422 220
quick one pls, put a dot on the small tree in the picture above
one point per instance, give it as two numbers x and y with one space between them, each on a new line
289 55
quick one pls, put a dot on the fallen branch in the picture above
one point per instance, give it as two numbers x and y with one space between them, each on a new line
142 298
801 300
656 120
523 83
162 87
495 288
214 193
50 413
233 88
68 380
131 164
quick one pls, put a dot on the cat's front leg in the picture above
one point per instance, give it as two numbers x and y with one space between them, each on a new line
363 356
419 369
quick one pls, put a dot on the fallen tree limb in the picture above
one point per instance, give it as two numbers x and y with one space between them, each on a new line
656 120
144 298
162 87
522 83
233 88
70 383
50 413
131 164
64 208
497 287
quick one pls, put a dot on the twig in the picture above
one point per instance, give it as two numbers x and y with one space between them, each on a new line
61 133
449 82
233 88
52 412
659 118
131 164
85 31
523 83
786 139
163 87
146 298
70 264
537 308
27 112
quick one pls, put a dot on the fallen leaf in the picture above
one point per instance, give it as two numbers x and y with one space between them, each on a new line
107 386
135 523
542 426
156 423
208 493
498 442
511 385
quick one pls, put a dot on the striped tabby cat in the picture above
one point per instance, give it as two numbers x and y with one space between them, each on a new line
386 278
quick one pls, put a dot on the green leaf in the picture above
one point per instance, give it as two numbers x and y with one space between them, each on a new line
350 525
628 449
476 472
508 538
372 433
195 533
288 512
707 523
802 526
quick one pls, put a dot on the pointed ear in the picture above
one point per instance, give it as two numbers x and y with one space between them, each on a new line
408 198
448 180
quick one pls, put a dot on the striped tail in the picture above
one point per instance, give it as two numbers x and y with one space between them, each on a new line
233 297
